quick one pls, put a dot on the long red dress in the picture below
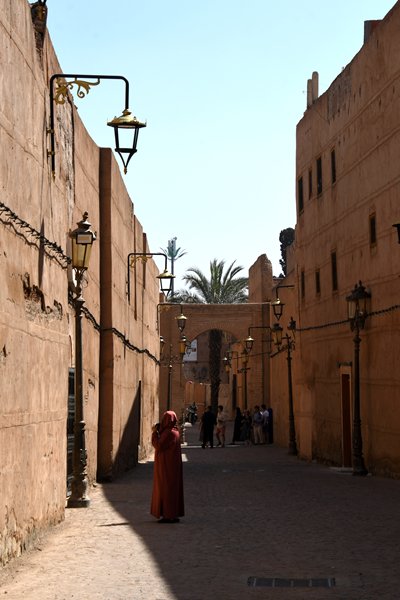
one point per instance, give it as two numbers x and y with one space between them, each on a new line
167 497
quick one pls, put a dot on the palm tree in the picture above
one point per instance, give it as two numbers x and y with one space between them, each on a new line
220 288
173 254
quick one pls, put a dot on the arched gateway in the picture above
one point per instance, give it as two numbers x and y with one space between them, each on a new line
185 381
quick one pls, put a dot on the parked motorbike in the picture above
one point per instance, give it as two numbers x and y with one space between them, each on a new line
191 415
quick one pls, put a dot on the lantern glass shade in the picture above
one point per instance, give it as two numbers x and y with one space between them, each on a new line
82 241
181 321
182 345
125 144
277 307
357 302
165 279
248 342
351 307
277 334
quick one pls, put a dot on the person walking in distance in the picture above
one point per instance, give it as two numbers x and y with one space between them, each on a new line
221 426
167 502
208 422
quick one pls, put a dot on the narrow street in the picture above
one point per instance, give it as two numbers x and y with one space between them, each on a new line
255 518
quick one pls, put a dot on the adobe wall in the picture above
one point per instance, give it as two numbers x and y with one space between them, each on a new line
34 312
129 363
37 337
358 118
261 280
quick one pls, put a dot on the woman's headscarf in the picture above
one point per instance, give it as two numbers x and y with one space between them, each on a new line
169 420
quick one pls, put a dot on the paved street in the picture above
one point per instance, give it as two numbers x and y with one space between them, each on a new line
254 515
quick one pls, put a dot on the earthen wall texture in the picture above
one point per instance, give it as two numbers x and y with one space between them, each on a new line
352 130
37 337
34 333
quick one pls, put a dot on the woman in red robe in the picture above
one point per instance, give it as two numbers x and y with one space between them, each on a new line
167 499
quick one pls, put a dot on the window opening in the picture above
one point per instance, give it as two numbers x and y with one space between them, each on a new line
372 230
319 176
334 271
317 282
300 194
333 165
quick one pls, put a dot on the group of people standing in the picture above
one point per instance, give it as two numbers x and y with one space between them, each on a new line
253 427
249 427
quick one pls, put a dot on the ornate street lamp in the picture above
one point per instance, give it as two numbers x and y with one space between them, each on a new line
82 241
244 358
248 343
227 364
181 321
357 307
277 307
120 124
184 346
165 278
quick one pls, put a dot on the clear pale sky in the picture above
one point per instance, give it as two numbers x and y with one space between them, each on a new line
222 85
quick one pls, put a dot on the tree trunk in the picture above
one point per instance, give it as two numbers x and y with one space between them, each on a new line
214 365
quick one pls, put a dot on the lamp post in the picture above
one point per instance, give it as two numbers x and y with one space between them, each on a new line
82 241
184 344
289 345
120 124
357 314
246 347
244 370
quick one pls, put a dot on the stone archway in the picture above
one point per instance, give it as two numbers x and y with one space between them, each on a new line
233 319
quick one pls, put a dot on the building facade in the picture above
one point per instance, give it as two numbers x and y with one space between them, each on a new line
348 198
37 288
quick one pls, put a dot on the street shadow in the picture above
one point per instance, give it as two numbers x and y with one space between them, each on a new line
255 512
183 550
127 454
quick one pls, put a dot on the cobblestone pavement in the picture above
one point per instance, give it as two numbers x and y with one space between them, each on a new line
251 512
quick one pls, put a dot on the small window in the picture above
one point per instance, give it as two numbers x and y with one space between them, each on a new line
300 194
319 175
310 183
372 230
317 282
333 165
303 284
334 271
